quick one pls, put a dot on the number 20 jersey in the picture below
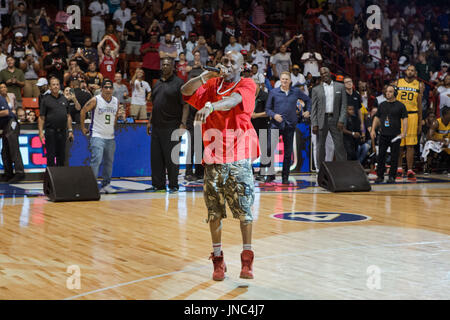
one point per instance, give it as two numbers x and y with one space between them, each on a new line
408 93
104 117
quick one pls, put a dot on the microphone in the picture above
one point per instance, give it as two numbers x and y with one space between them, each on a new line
213 69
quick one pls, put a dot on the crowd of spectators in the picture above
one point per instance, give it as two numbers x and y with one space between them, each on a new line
273 36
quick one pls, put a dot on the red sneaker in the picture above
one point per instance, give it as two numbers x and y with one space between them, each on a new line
399 174
411 176
219 267
247 264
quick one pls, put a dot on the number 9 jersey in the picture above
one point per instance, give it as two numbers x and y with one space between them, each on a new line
408 93
104 117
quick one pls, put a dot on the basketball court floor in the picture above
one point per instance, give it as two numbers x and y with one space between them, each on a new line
390 243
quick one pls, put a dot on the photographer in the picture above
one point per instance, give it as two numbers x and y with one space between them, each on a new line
54 63
44 22
61 39
74 105
30 67
312 61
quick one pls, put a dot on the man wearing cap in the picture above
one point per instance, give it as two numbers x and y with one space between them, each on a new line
82 96
13 78
17 48
54 64
298 79
54 116
42 84
441 74
104 108
190 45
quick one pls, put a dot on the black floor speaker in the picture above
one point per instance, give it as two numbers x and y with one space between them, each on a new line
343 176
63 184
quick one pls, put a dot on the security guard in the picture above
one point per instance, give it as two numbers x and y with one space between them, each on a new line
10 140
55 117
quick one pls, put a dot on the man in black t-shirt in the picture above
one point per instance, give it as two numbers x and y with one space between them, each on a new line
11 157
168 114
352 133
199 169
54 116
134 31
389 117
354 99
83 96
261 121
55 64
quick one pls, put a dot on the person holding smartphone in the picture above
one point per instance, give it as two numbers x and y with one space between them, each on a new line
74 105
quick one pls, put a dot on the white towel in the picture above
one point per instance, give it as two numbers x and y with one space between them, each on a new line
431 145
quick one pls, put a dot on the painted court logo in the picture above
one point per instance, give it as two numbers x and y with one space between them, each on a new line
321 216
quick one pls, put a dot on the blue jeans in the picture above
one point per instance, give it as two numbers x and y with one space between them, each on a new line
362 151
102 149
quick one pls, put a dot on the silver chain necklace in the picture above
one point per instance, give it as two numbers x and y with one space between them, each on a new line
220 87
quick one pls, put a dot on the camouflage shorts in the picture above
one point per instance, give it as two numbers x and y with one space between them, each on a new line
232 182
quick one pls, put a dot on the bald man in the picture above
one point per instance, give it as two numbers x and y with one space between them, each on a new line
225 103
328 114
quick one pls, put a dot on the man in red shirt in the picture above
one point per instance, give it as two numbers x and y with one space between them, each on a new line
150 59
225 105
108 58
182 67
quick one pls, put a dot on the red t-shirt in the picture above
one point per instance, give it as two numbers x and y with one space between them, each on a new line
151 59
228 136
181 71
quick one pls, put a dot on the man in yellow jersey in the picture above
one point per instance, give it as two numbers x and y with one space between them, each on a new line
438 138
410 92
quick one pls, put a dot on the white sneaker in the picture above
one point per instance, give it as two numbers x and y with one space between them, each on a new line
108 189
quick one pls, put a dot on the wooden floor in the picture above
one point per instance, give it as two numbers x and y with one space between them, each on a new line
156 246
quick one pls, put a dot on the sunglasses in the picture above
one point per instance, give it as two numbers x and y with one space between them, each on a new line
226 61
107 87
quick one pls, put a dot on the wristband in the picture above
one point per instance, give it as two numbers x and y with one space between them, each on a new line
210 106
70 130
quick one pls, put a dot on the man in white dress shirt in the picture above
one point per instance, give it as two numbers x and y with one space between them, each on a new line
328 114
